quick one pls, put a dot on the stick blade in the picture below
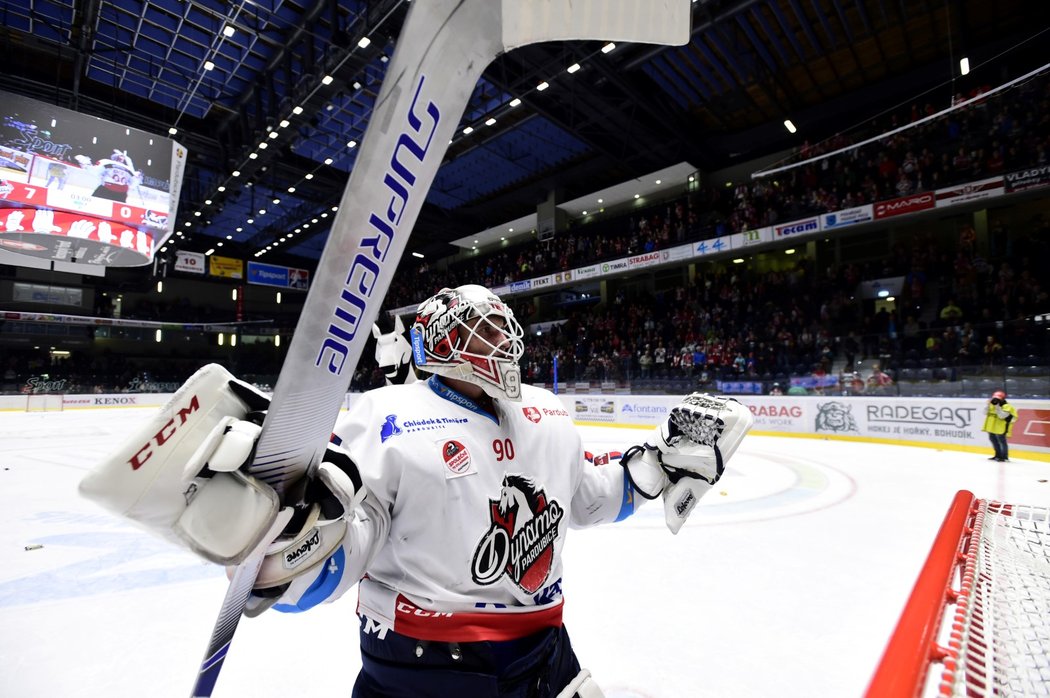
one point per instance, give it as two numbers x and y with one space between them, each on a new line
641 21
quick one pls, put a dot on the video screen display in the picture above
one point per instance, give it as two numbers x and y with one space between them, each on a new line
78 188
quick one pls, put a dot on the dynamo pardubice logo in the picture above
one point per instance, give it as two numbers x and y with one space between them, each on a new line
520 541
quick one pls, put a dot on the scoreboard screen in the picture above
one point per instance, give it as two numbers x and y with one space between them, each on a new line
77 188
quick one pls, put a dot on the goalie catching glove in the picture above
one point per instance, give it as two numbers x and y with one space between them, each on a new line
182 477
690 453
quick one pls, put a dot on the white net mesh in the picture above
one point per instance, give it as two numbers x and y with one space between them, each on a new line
44 402
1000 634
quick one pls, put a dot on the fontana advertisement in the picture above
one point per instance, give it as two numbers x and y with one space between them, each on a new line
645 410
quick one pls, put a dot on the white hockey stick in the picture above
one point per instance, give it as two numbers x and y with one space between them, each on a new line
443 48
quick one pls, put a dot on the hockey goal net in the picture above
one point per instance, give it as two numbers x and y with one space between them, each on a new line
978 620
44 402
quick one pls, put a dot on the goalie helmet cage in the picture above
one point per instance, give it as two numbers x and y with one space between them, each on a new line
988 575
44 402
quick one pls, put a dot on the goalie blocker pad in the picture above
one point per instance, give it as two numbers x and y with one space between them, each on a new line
155 479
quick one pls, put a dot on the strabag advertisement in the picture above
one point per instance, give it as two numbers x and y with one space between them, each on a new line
76 188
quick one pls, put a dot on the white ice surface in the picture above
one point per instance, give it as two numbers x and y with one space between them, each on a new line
786 582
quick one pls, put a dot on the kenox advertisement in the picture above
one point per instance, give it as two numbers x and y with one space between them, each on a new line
905 204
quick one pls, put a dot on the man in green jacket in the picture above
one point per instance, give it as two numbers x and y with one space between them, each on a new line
999 421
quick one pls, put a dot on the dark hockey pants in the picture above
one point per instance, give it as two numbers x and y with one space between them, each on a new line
537 666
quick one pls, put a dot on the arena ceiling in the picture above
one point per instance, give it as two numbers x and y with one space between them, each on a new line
231 74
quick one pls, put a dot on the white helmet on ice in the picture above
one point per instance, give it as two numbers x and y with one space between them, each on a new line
470 316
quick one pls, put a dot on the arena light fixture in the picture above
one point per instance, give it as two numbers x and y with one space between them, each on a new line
789 126
964 66
327 80
572 68
228 31
514 102
364 42
542 86
608 47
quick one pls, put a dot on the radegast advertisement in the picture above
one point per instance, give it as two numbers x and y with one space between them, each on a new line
956 422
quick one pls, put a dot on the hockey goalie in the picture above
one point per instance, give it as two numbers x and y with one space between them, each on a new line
446 502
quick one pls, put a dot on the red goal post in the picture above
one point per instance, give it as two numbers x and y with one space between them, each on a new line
988 575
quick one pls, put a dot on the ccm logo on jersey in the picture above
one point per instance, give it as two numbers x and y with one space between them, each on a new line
165 433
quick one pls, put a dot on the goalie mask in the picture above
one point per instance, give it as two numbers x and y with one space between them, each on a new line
468 334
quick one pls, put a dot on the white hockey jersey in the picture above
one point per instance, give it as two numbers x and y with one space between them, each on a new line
461 536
